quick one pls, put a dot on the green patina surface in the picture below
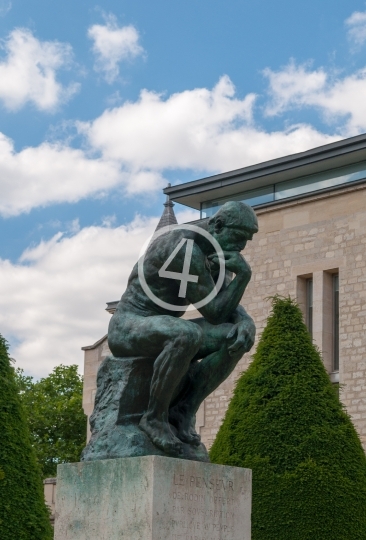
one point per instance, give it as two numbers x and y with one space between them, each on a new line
163 366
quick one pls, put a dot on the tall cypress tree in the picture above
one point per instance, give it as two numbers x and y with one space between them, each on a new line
23 513
286 423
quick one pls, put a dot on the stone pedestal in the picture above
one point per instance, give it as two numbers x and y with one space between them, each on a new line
152 498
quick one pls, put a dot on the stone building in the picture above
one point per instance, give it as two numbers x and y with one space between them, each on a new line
311 244
49 490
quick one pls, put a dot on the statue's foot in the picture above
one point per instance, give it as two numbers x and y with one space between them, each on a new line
184 424
161 435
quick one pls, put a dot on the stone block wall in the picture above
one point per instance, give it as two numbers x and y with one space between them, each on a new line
310 238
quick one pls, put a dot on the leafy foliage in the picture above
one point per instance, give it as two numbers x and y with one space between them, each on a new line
286 423
23 513
56 418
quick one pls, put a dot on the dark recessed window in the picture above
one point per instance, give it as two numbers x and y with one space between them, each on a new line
335 322
309 305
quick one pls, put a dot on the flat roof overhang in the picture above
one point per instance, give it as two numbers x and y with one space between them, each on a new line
316 160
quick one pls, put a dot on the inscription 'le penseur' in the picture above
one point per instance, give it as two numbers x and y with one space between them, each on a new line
202 482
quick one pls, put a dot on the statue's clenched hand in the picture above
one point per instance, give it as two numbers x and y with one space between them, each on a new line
234 262
244 332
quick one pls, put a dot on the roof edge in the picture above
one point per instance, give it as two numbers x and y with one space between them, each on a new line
95 345
318 153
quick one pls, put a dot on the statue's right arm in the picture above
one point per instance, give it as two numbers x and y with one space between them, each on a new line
226 301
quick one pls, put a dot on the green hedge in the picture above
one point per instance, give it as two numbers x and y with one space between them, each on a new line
23 513
286 423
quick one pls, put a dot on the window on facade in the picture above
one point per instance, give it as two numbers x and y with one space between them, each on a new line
335 322
316 182
309 305
253 197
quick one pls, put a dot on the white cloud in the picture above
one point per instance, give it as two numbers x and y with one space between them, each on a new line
209 130
340 100
200 129
113 44
143 181
28 72
356 24
290 86
5 7
49 174
52 301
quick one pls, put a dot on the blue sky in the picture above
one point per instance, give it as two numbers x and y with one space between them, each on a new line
102 105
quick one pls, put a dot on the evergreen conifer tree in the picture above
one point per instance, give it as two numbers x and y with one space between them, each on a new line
286 423
23 513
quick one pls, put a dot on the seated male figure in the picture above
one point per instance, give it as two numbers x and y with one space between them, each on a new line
193 357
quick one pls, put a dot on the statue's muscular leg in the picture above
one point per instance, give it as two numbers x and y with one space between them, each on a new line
203 378
169 368
174 342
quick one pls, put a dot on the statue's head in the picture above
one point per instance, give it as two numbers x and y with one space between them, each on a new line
233 225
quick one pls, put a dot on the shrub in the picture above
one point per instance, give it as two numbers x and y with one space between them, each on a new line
286 423
23 513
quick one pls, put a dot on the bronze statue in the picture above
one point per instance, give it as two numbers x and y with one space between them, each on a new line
189 359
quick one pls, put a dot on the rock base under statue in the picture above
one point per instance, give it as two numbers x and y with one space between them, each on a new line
123 389
152 498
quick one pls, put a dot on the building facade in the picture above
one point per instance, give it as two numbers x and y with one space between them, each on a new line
311 244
